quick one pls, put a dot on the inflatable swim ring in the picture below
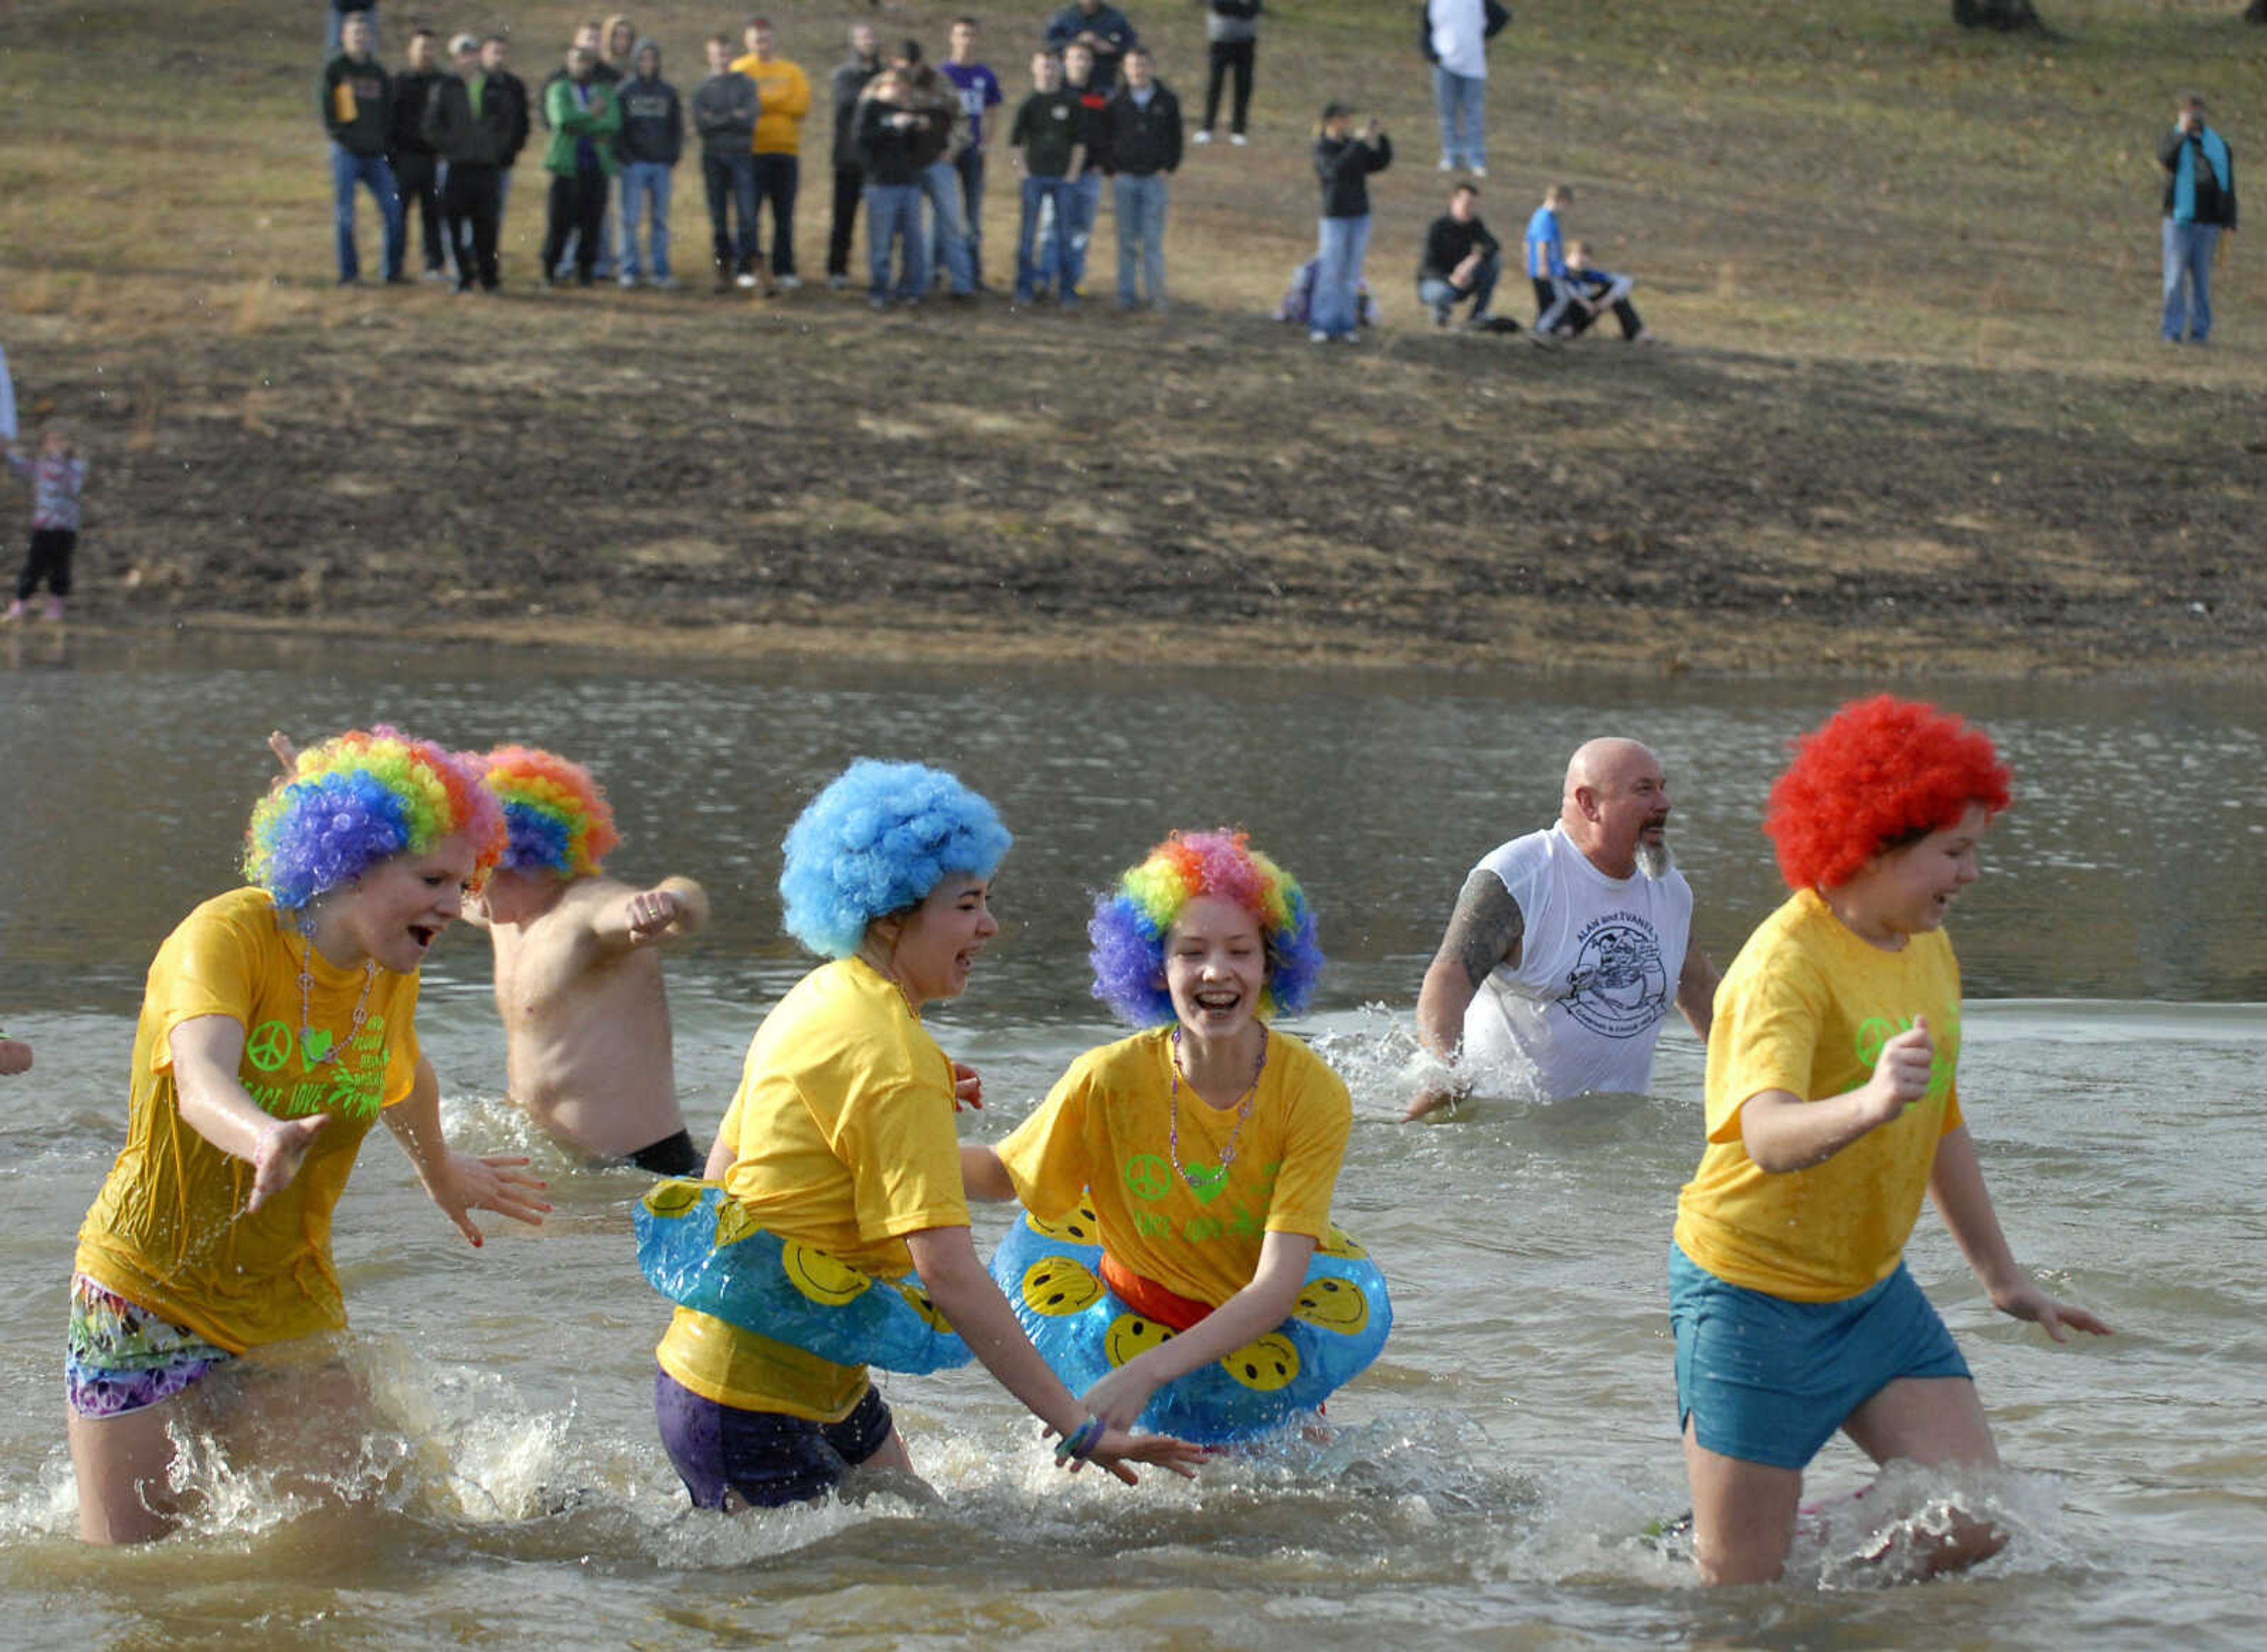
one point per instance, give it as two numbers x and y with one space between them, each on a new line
1052 1275
700 1248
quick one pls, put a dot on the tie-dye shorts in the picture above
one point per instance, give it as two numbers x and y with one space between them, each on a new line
120 1357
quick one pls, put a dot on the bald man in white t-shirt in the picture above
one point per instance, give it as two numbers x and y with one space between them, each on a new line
1567 946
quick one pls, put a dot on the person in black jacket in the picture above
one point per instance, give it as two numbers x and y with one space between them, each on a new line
651 143
1141 147
1462 261
1344 161
2199 205
416 169
356 103
473 123
496 54
852 76
892 139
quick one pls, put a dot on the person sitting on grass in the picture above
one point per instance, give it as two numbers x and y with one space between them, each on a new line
1591 292
1832 1108
1462 261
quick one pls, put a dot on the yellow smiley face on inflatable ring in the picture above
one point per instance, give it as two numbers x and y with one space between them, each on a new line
1266 1365
1080 1227
919 1301
820 1276
1131 1336
735 1222
1343 1246
1057 1285
673 1199
1335 1304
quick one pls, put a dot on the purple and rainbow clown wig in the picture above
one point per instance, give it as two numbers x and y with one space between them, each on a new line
556 818
1131 922
876 842
359 798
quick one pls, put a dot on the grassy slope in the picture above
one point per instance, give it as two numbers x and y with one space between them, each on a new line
1917 400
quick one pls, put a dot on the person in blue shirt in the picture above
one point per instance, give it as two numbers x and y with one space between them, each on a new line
2200 203
1546 257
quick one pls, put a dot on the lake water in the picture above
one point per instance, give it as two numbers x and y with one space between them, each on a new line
1489 1477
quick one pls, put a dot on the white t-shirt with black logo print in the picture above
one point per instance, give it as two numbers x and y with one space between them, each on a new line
1598 972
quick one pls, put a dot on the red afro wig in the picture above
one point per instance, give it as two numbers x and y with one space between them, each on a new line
1879 773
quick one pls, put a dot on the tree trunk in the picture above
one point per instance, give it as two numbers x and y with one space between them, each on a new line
2008 16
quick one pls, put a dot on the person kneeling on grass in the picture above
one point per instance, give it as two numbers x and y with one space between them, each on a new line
1462 261
1831 1108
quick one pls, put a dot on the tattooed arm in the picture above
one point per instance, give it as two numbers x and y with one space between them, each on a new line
1484 930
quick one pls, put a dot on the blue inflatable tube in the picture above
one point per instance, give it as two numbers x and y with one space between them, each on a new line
700 1248
1051 1273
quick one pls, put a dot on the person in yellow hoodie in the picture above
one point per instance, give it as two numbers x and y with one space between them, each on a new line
784 91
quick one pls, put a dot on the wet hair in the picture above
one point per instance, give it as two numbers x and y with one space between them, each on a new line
1877 775
360 798
556 816
1132 922
876 842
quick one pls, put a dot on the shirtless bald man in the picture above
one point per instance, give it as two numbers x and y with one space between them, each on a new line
1559 950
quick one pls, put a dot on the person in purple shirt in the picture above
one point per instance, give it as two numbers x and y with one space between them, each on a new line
979 93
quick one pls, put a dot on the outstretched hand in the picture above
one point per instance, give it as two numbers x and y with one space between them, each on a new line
1117 1448
276 1157
2057 1319
465 1183
286 753
652 912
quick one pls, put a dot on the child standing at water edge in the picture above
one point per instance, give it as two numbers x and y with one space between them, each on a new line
1831 1107
277 1027
578 980
58 476
1209 1143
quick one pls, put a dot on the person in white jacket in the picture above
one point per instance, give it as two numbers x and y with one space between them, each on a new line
1457 34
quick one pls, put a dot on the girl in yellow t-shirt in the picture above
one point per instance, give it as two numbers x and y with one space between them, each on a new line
840 1139
1832 1108
277 1026
1209 1144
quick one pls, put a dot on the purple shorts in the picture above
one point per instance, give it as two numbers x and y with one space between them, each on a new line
763 1458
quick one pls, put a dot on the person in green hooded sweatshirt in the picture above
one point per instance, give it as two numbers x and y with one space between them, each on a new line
584 120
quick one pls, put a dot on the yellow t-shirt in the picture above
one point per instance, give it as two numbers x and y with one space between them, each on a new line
168 1229
783 98
842 1137
1806 1008
1106 1129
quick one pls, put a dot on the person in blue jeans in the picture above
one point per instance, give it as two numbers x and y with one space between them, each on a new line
1048 139
651 142
937 101
1344 161
1462 261
980 94
890 137
356 101
1141 150
725 108
1085 196
2200 203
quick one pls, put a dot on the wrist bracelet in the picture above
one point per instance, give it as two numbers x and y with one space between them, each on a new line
1079 1444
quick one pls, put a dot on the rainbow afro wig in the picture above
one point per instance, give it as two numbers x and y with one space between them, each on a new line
362 797
556 819
1878 774
877 841
1131 922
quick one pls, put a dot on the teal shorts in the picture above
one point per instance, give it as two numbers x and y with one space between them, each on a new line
1766 1380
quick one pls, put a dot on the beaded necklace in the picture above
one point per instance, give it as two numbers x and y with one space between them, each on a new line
306 987
1202 1181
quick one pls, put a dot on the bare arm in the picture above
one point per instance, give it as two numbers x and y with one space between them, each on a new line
1696 990
1484 930
721 1155
1955 1184
1782 1132
1253 1312
949 1267
207 1051
672 908
459 1183
983 1175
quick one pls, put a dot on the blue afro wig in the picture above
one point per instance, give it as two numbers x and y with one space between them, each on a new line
877 841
